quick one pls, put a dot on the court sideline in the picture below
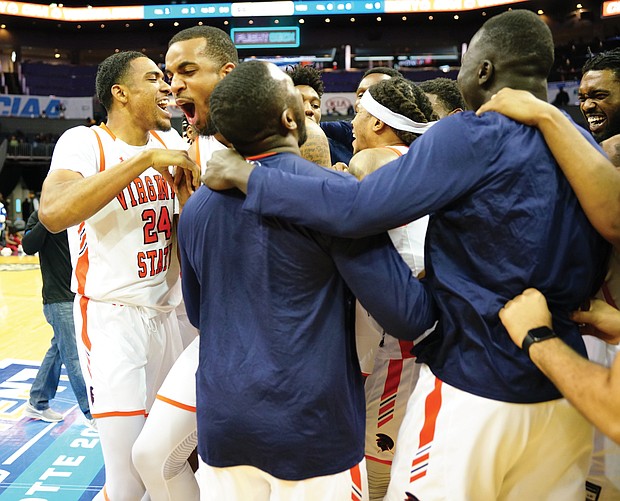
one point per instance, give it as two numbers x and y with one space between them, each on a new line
38 460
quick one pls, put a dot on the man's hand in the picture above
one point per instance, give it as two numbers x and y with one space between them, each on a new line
183 186
526 311
601 320
227 169
519 105
161 159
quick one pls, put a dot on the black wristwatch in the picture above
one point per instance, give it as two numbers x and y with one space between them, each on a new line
536 336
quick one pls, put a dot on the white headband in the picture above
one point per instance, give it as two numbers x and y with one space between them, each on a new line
395 120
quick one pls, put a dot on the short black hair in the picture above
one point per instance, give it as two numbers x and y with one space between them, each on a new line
446 90
405 98
306 75
522 40
384 70
609 60
219 46
111 71
246 105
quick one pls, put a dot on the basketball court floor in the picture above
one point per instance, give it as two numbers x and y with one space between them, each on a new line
38 461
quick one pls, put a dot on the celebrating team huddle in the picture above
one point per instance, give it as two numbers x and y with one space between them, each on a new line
229 317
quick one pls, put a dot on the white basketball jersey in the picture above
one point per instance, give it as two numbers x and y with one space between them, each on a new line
409 239
409 242
204 148
126 253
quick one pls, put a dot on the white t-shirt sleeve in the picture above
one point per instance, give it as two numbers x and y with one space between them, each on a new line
77 150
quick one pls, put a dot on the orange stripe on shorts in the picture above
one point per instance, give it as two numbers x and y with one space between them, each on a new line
175 403
120 414
427 434
431 411
356 487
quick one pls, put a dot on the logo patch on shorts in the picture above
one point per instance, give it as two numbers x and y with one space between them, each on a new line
92 395
410 497
384 442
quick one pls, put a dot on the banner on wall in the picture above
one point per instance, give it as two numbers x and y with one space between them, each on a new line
338 103
45 106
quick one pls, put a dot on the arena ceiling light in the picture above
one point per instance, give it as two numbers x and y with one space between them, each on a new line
277 8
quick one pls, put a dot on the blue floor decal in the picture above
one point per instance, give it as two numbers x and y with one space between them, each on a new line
45 461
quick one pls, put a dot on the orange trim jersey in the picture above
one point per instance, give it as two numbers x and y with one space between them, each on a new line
204 148
126 253
394 372
409 242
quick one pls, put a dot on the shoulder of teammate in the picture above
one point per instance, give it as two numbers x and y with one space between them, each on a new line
172 139
369 160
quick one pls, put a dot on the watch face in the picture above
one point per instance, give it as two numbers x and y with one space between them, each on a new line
536 335
540 333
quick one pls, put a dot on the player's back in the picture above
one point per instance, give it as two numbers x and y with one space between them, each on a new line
276 351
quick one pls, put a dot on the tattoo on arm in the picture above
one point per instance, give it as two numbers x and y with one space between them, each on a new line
316 147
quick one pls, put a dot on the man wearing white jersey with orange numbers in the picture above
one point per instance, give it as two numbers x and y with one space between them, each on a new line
110 186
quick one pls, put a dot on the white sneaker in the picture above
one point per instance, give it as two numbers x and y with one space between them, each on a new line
48 415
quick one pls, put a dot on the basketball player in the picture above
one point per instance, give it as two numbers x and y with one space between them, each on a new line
110 187
196 60
340 132
390 116
599 95
275 296
502 220
444 95
307 80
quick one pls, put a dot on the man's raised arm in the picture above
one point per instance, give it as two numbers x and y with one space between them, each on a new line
68 198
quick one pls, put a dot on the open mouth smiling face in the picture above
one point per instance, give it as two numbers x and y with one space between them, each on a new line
599 97
189 110
596 122
163 106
